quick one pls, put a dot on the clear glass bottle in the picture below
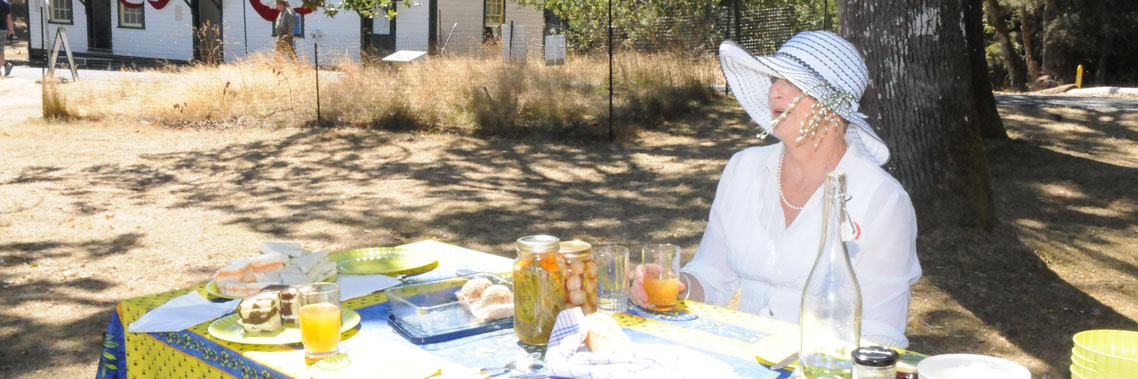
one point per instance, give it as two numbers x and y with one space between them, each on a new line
539 288
831 299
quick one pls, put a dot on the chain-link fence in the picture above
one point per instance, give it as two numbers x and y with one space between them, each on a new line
529 74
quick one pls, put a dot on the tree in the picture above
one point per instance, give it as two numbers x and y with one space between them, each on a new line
1027 34
988 117
1011 58
920 71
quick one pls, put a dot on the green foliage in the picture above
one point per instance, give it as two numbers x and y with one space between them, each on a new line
685 25
365 8
811 14
634 20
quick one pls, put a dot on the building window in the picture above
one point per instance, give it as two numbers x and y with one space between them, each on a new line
495 13
60 12
296 32
133 18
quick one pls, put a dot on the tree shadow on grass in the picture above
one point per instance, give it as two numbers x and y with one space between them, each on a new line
1042 196
30 343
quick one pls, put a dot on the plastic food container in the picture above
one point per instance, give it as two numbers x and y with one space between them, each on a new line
952 366
433 308
1105 354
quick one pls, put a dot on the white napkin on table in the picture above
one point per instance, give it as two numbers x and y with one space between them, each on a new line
353 286
180 313
565 358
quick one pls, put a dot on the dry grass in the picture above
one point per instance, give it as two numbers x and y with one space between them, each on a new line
466 95
55 103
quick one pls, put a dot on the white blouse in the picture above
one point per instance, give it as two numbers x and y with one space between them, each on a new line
747 243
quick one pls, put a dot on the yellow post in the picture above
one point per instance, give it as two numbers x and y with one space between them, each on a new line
1079 77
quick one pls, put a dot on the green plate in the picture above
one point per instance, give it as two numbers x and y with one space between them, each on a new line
227 329
391 261
211 288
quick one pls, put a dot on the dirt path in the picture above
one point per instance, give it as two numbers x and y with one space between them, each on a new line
21 100
91 214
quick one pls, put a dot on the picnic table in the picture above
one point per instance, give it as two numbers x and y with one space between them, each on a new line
374 349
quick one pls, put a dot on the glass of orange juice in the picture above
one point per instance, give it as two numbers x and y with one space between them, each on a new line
661 275
320 320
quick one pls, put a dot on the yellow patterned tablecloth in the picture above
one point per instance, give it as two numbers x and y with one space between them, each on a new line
375 350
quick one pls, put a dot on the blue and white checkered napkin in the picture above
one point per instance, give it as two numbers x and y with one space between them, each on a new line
566 357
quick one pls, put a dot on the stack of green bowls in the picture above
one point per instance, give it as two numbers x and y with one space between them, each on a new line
1105 354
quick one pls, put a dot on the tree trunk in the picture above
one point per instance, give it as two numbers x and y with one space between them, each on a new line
991 127
1027 27
1051 47
1011 59
919 99
1107 29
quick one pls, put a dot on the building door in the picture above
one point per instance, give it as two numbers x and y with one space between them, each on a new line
378 37
207 31
99 25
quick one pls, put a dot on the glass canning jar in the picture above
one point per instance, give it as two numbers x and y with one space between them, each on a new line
581 278
539 288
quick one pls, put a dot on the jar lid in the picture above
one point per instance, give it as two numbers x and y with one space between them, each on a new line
574 247
538 244
875 356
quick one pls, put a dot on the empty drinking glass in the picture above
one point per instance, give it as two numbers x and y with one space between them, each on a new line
612 278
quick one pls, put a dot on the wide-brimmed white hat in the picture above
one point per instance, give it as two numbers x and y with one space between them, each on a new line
822 65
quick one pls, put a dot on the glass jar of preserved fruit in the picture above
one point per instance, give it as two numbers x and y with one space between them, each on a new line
581 279
539 288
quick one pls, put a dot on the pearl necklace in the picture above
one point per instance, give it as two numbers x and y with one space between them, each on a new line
780 195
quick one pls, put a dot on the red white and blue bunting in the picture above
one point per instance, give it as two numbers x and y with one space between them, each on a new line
157 4
270 13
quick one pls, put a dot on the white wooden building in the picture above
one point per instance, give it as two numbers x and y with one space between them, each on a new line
165 29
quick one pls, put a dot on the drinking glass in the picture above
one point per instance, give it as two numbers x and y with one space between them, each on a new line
661 275
320 320
612 278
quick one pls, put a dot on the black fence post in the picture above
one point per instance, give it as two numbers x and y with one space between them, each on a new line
316 60
611 135
738 21
43 45
826 13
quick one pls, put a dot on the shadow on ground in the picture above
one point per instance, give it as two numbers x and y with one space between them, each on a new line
1044 197
36 344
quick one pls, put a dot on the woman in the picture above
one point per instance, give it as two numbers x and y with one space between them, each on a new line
764 230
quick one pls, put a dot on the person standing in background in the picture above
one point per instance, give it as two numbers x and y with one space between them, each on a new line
7 30
283 28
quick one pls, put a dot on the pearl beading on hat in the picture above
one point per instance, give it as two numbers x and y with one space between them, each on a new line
824 111
763 133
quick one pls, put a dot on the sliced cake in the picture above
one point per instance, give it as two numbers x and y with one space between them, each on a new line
290 303
260 312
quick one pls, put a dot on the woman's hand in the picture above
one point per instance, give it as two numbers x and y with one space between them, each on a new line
639 297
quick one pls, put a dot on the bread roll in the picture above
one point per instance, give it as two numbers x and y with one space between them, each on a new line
472 290
497 302
604 333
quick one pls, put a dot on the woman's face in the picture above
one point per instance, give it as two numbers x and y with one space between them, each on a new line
781 96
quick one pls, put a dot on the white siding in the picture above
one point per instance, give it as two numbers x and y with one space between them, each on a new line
164 37
412 26
76 34
341 35
467 36
534 21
